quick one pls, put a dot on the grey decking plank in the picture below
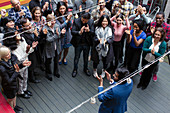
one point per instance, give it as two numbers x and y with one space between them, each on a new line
69 94
33 101
39 99
132 104
62 104
155 97
60 91
50 98
77 89
43 98
30 108
21 104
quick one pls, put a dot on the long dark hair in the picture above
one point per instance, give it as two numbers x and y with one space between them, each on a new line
61 3
162 31
10 42
101 20
6 20
141 24
33 11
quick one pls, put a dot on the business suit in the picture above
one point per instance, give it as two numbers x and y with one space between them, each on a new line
82 42
115 99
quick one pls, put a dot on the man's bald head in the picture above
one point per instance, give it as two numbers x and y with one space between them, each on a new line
16 4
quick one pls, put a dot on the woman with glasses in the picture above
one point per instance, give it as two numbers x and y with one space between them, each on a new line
154 46
102 47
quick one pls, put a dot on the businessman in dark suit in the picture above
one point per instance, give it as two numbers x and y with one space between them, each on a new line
83 32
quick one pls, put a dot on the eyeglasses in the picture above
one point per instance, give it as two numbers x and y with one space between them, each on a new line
158 18
101 2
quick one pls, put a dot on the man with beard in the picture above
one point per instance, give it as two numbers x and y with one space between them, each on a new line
97 13
31 36
115 99
18 11
159 23
83 32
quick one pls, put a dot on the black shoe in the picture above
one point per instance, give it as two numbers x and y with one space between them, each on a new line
139 85
18 108
143 87
57 75
28 92
74 73
26 96
87 72
49 78
35 80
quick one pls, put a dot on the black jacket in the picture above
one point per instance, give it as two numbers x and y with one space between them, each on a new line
8 74
77 25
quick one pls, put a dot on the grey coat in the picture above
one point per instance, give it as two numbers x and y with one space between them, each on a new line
52 42
67 26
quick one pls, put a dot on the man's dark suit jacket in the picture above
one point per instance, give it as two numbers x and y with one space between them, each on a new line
77 25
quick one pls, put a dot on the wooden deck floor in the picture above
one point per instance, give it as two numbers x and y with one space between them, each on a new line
64 93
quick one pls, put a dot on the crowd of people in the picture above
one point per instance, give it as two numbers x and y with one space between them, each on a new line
40 37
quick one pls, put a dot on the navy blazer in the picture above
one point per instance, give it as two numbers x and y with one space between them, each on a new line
115 99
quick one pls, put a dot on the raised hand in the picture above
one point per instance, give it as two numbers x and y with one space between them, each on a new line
87 29
26 63
16 67
69 16
134 33
34 44
153 51
127 32
21 13
45 31
80 8
3 13
36 32
87 10
100 80
82 29
45 6
108 75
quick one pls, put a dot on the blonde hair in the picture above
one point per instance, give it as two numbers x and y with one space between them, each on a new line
50 17
3 51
